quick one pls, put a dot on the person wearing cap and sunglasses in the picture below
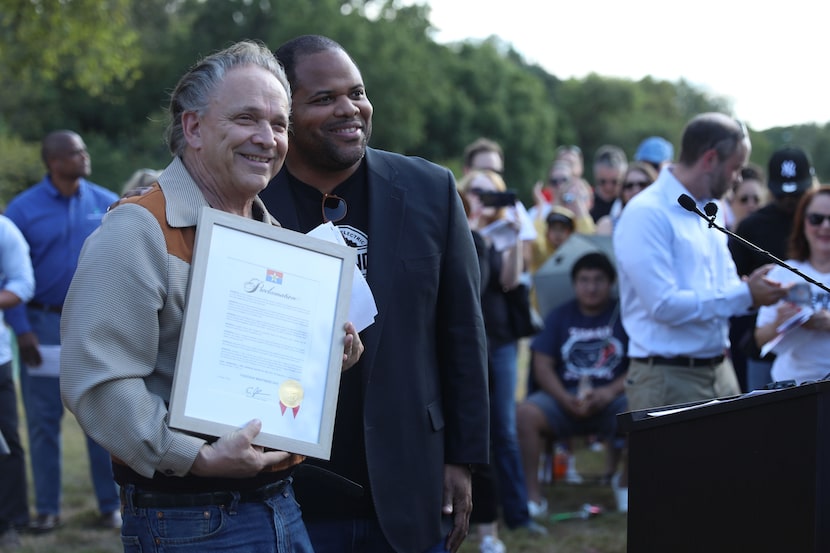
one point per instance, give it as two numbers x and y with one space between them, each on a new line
656 151
413 414
789 175
803 353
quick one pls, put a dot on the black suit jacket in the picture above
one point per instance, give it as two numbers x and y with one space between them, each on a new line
425 362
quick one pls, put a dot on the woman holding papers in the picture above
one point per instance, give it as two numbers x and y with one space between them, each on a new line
491 212
797 328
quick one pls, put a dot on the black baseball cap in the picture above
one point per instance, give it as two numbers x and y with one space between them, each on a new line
789 172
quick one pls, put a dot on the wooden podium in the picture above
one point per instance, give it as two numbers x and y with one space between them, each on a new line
750 473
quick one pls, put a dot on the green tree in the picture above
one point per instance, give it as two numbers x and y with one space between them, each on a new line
76 64
85 43
20 166
488 91
600 110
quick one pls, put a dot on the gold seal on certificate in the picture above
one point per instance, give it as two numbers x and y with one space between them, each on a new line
291 395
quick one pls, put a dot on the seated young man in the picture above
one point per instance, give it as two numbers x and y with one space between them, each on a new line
579 363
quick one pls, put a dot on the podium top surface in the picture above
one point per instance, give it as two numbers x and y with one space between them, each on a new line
670 414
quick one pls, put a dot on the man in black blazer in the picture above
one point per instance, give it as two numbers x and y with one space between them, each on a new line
412 415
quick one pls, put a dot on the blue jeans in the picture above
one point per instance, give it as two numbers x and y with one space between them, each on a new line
44 410
565 426
503 435
353 536
271 526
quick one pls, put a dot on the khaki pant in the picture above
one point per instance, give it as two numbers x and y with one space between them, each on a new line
650 385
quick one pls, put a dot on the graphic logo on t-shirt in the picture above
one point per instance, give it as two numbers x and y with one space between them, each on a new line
592 351
358 240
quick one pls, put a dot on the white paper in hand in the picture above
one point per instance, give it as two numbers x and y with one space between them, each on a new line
502 233
796 320
50 362
362 307
793 322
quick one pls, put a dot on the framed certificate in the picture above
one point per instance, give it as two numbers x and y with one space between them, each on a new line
262 335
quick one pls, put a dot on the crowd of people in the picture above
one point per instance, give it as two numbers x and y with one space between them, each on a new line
650 324
432 433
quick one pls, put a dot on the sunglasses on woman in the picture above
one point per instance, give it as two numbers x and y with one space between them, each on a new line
816 219
628 185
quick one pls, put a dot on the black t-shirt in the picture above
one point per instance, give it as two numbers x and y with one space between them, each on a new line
601 208
348 452
769 229
494 301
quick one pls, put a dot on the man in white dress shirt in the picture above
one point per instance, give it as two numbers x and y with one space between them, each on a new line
678 283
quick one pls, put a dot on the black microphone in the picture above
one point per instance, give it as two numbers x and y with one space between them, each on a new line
688 203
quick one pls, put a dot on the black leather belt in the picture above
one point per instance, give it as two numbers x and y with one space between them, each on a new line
43 307
165 500
681 361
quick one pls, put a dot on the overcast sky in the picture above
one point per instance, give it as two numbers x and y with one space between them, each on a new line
769 59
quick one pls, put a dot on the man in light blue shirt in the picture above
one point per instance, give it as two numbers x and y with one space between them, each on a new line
678 283
18 284
56 215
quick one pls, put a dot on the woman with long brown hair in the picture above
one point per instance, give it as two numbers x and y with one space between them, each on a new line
803 352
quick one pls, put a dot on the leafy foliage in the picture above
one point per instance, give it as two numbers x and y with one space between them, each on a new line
105 68
85 43
20 166
501 100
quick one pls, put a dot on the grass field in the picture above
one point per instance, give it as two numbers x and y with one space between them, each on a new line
78 508
605 533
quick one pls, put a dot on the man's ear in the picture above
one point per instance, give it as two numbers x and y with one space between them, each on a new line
709 159
192 129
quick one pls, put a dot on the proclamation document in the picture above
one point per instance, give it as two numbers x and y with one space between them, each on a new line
263 334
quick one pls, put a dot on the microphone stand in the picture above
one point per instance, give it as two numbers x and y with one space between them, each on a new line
688 203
